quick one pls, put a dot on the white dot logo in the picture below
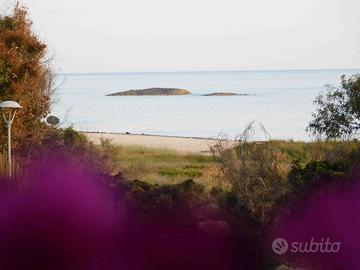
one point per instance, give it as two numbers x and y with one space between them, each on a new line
280 246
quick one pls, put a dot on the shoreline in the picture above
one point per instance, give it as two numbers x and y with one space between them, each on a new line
147 135
184 145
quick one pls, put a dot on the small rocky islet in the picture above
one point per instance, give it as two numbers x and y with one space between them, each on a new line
153 92
224 94
169 92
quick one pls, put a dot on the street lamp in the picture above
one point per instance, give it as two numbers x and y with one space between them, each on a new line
9 108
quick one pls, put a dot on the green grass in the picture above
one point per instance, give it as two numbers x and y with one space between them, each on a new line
305 152
158 166
187 171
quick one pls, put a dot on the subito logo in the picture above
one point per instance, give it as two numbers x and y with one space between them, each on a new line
280 246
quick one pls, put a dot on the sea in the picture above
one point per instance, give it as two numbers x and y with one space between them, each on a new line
280 101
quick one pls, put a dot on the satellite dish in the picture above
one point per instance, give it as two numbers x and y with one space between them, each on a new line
52 120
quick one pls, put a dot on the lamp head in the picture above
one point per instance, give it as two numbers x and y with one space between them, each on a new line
10 105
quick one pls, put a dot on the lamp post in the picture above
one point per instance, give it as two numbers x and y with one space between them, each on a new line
9 107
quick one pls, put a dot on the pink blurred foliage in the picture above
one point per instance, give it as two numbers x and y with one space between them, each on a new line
67 217
331 213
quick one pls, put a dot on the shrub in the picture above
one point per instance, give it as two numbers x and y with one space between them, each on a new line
340 160
316 171
257 173
178 203
71 145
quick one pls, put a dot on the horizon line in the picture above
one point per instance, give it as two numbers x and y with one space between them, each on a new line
209 71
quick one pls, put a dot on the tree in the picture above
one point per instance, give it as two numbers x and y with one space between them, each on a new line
25 77
338 110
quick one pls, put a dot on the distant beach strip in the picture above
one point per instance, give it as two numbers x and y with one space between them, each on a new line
185 145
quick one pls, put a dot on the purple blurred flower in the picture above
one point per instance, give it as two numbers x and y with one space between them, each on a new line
66 219
329 216
61 221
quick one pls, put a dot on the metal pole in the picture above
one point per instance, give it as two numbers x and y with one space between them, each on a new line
8 123
9 147
11 107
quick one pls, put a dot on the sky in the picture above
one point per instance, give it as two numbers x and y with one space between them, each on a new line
193 35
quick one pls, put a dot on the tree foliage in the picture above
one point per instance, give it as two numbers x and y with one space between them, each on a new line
338 110
25 77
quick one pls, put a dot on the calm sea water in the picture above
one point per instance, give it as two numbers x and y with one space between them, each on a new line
281 100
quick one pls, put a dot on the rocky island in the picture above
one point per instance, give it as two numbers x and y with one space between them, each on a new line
224 94
153 92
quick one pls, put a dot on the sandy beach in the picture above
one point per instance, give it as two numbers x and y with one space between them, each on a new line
179 144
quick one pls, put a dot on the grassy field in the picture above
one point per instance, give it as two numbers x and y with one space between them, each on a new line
324 150
157 166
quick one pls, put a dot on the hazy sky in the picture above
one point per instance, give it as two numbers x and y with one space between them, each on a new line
169 35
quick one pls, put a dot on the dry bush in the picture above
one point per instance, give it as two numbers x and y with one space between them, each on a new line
257 172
